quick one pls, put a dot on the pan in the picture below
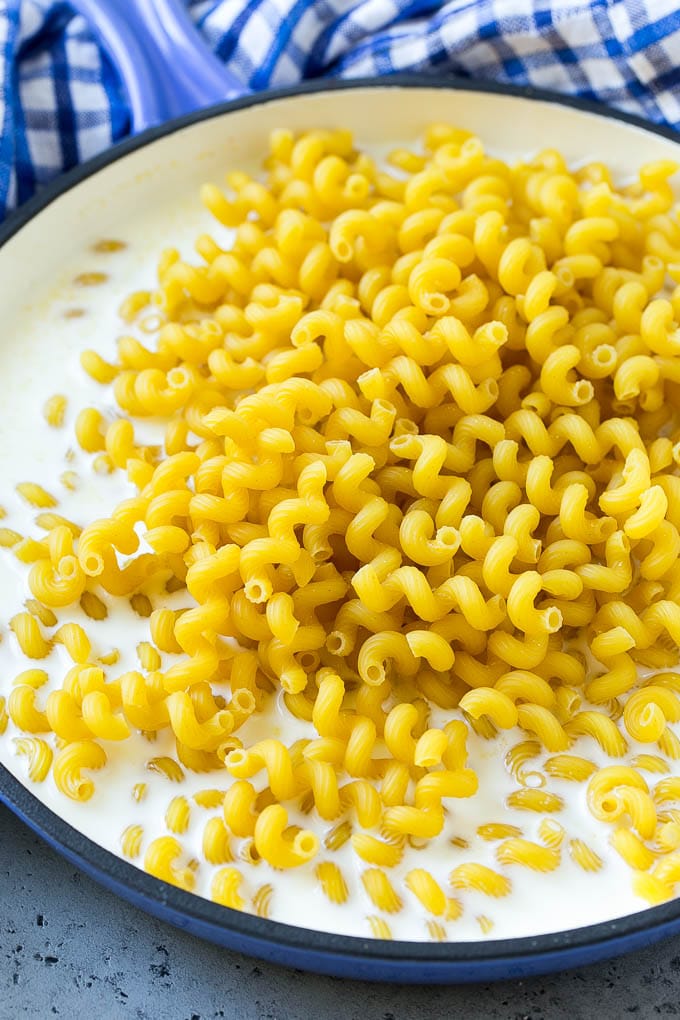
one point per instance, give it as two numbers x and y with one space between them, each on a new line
189 121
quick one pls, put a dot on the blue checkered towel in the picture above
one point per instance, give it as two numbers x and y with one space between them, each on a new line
61 101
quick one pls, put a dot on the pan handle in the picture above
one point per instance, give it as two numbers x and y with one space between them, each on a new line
165 66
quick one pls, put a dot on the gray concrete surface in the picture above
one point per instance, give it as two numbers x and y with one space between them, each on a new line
69 949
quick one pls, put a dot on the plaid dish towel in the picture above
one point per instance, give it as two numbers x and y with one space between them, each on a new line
61 101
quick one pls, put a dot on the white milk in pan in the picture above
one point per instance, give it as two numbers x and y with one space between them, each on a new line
39 357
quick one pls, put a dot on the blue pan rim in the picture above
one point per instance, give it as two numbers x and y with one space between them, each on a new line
310 948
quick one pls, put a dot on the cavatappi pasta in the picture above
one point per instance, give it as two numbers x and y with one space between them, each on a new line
419 485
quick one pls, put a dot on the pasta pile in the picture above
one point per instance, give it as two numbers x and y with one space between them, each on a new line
421 454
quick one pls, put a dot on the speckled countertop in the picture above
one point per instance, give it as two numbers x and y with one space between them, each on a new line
70 949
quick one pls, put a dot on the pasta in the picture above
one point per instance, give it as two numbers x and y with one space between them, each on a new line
478 876
69 764
272 845
380 929
177 815
381 891
529 855
551 833
161 858
216 843
332 881
55 409
225 888
39 755
416 489
431 895
262 900
131 841
584 856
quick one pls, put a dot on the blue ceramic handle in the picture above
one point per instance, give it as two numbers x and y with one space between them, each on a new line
165 66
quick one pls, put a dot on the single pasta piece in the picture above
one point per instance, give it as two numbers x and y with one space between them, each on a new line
22 710
225 887
632 849
542 801
161 861
428 891
131 841
584 856
338 835
436 931
497 830
480 878
379 927
29 636
247 852
517 757
376 851
216 843
210 798
35 495
332 882
167 767
551 833
69 764
381 891
530 855
177 815
262 900
650 763
148 656
569 766
274 847
238 806
93 606
9 538
54 410
39 755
